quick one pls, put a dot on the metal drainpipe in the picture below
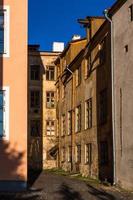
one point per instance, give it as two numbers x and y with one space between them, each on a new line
113 102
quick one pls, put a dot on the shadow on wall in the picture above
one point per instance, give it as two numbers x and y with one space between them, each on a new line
35 117
11 161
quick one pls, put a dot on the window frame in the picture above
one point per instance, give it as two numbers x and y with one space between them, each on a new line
38 105
78 155
69 122
38 67
88 153
6 50
69 158
78 75
131 12
49 73
6 114
88 112
50 130
49 103
63 125
78 116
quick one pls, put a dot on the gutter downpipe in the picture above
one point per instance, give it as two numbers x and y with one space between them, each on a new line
113 102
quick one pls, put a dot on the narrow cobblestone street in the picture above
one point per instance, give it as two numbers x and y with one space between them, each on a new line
56 187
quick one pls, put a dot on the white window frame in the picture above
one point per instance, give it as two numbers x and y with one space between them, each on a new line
6 10
6 114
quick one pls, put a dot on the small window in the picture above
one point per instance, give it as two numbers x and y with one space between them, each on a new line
50 73
131 12
88 114
78 153
4 31
50 99
102 52
126 48
104 153
78 119
50 128
35 128
103 108
69 122
78 76
34 72
88 153
87 66
35 99
1 31
63 125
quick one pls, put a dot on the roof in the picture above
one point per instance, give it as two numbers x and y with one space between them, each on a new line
116 6
67 47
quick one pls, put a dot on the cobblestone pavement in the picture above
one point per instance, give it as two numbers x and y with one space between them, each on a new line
56 187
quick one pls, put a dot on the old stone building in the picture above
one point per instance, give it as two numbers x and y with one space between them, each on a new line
121 15
42 111
84 103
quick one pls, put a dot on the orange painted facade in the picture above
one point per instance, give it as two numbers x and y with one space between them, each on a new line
13 74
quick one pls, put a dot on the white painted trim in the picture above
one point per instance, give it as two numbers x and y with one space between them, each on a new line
6 31
6 116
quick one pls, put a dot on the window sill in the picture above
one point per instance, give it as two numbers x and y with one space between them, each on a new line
89 128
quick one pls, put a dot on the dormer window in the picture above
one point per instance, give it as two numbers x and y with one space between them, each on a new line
131 12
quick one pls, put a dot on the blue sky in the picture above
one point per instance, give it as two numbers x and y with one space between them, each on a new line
56 20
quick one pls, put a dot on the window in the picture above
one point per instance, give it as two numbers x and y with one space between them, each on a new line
88 114
50 127
131 12
63 126
87 66
126 48
35 99
34 72
4 31
69 122
78 118
88 153
78 76
78 153
50 73
63 154
50 101
1 31
2 108
103 106
35 128
4 113
69 154
104 153
102 55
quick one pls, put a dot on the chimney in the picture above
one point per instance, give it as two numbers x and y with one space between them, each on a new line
58 46
76 37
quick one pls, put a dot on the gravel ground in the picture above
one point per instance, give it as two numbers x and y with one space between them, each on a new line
56 187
